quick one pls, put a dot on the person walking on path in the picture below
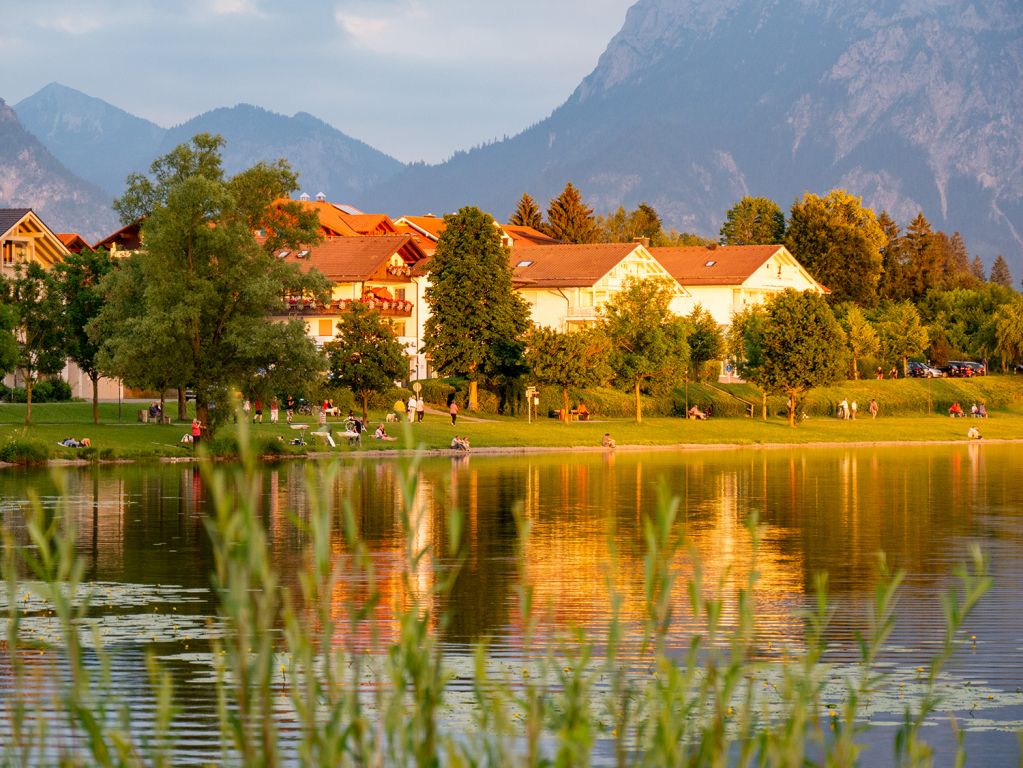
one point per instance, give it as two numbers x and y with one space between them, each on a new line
420 408
453 410
873 409
275 411
196 433
410 408
852 410
259 412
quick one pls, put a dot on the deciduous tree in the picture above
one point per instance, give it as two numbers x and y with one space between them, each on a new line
472 304
706 342
839 242
647 340
208 286
365 355
753 221
41 351
860 334
78 280
901 333
572 360
793 345
1009 329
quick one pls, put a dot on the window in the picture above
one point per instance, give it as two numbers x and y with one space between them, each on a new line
8 254
399 294
398 328
326 328
710 263
525 263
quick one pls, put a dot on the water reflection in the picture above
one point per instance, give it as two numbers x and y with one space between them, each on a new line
827 510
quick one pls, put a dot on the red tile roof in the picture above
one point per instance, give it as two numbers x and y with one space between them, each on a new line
348 259
369 223
74 242
527 237
431 226
723 265
567 266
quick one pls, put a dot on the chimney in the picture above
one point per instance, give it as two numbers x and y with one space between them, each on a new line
320 197
644 241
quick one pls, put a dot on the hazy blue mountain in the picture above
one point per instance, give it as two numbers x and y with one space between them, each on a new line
95 140
695 103
31 177
103 144
326 159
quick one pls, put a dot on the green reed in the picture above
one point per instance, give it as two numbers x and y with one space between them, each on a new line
710 697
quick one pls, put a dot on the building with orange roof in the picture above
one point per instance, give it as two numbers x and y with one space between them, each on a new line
565 285
124 241
74 242
726 279
525 237
376 270
25 238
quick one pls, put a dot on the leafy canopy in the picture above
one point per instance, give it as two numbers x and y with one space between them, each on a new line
753 221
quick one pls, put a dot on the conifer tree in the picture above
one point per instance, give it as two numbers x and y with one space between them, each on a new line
977 268
570 219
926 257
958 261
472 304
527 213
1000 274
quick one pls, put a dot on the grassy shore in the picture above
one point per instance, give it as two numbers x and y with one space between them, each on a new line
126 438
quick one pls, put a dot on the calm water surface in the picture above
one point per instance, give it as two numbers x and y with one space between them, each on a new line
141 532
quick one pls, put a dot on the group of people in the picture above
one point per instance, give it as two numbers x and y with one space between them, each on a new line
414 409
892 374
847 410
976 411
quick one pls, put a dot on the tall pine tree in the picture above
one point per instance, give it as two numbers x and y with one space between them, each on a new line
472 304
570 219
1000 274
527 213
753 221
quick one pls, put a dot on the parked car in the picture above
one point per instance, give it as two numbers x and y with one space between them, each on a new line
964 369
920 370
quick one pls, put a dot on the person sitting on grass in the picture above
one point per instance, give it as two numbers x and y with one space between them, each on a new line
696 413
956 410
607 441
981 411
973 433
460 443
381 434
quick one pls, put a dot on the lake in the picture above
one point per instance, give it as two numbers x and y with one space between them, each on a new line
141 532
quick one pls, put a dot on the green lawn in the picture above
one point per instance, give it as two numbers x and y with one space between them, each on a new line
130 439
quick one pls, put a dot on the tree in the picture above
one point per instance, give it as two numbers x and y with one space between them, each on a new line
570 219
861 336
960 322
1000 274
753 221
365 355
33 294
527 213
624 227
893 285
647 340
1009 329
839 242
977 268
577 359
472 304
901 333
78 282
744 344
927 257
8 339
705 340
792 346
207 287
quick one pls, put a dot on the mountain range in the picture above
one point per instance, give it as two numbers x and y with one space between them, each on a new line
694 103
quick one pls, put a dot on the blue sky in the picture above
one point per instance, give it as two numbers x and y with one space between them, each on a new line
418 79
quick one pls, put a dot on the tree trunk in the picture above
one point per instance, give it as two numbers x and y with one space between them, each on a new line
365 408
763 406
182 405
163 404
28 399
792 409
639 412
94 378
564 406
856 369
474 402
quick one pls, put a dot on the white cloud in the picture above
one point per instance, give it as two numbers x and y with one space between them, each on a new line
235 8
71 24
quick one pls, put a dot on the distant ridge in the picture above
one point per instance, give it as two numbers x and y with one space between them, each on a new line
31 177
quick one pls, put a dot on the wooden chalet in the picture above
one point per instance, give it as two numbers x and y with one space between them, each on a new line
24 239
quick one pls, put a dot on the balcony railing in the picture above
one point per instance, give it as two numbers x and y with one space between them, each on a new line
295 307
576 312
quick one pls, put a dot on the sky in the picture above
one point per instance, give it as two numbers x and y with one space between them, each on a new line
418 79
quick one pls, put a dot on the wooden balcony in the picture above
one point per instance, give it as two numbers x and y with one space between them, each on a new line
306 308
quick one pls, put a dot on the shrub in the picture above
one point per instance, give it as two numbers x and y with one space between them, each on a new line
436 391
24 451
